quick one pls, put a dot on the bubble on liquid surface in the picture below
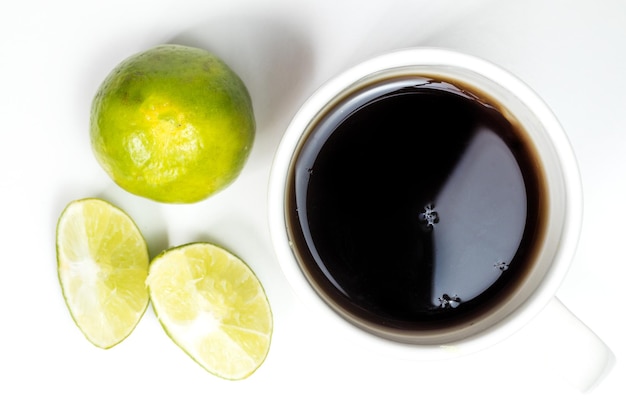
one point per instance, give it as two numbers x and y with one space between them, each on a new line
447 301
501 265
429 216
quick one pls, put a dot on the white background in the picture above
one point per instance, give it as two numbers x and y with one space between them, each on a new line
53 56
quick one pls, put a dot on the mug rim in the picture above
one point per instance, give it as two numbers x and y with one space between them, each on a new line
425 56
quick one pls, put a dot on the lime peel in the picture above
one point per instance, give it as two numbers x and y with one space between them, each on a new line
173 124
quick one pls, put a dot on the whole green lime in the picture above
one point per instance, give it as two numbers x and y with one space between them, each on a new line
173 124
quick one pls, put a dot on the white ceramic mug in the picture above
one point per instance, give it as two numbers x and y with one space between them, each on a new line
582 355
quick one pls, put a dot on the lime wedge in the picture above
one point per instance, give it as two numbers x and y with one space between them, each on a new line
102 261
213 307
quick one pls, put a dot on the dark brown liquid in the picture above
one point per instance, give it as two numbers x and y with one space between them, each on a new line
415 205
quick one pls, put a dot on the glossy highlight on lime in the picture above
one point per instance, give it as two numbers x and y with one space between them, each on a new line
173 124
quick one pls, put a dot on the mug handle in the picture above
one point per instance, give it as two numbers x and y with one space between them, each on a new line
569 347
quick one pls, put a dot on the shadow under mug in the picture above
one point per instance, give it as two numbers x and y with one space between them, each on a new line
587 357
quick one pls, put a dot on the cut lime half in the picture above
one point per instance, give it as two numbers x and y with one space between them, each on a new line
102 261
213 307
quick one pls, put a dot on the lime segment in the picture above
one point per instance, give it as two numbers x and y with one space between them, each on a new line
102 261
213 307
